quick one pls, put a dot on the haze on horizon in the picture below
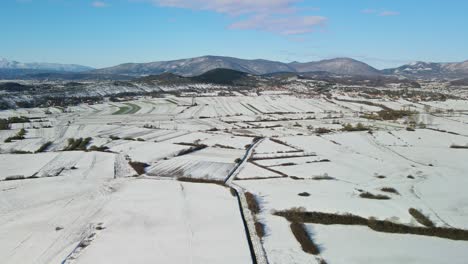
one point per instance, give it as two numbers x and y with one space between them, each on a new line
109 32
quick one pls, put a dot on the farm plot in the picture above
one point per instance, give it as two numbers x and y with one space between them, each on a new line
209 163
174 222
146 152
79 206
375 247
274 146
13 165
42 219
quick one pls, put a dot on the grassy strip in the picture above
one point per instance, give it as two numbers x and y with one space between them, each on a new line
77 144
384 107
99 148
128 110
191 150
389 190
284 157
44 147
421 218
302 236
295 215
389 115
359 127
122 110
5 123
459 147
201 180
19 136
133 108
368 195
323 178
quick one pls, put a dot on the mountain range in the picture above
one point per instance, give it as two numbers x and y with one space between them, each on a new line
428 70
199 65
15 69
7 64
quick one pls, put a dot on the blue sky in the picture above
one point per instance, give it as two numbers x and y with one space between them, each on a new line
383 33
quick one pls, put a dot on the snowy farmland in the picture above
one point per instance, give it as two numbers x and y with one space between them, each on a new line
268 178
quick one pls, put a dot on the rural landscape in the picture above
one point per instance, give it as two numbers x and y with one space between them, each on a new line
233 132
234 167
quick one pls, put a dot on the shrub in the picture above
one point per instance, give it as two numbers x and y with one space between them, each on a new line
72 144
287 164
139 167
100 148
303 237
359 127
19 136
18 119
394 114
44 147
323 178
196 147
252 203
84 143
322 130
15 178
297 125
304 194
4 125
16 151
260 229
459 146
233 191
296 178
421 218
77 144
223 146
201 180
389 190
368 195
114 137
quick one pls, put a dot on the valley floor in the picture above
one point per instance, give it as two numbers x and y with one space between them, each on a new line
176 180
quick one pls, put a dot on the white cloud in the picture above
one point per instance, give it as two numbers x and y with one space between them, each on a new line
277 16
368 11
99 4
389 13
233 7
283 25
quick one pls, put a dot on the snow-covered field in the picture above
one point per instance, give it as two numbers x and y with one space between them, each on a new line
68 191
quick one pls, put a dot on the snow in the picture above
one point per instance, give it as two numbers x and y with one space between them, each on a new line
375 247
14 164
269 146
150 221
154 218
146 152
252 171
